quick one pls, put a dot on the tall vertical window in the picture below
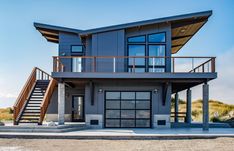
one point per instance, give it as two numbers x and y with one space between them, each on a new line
77 51
157 62
76 64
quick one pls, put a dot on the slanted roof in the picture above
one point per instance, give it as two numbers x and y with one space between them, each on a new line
51 33
183 28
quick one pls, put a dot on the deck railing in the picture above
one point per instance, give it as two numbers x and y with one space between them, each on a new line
176 64
36 74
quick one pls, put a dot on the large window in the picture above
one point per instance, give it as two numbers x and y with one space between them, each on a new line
128 109
152 45
139 63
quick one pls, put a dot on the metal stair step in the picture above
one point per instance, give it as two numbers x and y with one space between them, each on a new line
33 105
34 102
31 114
29 117
32 110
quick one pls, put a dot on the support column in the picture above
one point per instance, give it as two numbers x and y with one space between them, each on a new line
189 106
61 103
176 107
206 107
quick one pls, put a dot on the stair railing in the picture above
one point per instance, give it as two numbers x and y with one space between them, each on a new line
46 99
36 74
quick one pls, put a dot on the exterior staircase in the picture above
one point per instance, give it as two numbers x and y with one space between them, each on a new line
33 101
31 112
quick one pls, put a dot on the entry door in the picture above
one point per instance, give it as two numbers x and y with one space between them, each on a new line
78 108
127 109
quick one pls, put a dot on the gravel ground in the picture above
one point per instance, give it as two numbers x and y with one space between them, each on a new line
218 144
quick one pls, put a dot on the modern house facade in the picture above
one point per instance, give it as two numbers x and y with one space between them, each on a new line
119 76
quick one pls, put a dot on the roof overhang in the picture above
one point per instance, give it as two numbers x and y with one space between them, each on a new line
183 28
51 33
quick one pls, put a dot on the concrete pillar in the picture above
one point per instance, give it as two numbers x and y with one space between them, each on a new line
189 106
176 107
61 103
206 107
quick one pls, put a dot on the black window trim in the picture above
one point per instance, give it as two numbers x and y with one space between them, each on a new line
77 52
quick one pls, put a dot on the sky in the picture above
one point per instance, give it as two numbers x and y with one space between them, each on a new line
22 47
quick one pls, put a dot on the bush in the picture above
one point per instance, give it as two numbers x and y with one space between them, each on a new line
215 119
195 113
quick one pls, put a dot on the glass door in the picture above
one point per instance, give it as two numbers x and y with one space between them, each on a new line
78 108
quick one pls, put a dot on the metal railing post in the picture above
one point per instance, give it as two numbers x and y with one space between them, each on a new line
114 64
153 64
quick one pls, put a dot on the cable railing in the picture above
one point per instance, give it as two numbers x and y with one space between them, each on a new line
133 64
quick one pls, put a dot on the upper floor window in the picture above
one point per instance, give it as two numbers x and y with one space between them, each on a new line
136 39
77 48
147 53
157 38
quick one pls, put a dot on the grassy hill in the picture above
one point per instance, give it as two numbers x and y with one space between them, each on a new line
218 111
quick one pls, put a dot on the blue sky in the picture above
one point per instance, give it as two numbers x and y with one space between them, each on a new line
22 47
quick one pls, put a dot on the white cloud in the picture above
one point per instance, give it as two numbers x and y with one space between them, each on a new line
7 95
221 88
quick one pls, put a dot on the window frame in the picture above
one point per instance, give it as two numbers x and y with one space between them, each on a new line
146 44
72 52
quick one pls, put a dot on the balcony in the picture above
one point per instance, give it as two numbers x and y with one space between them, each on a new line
134 67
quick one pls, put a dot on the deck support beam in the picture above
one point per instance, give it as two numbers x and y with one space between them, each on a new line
188 106
61 103
205 107
176 107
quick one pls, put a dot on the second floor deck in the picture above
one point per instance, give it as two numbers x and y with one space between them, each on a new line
139 67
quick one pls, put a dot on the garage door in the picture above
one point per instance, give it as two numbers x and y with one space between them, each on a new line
127 109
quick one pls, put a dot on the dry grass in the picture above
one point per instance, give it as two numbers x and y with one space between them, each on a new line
6 114
221 110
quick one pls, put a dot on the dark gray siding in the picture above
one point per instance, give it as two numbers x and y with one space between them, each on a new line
66 40
98 107
108 44
53 106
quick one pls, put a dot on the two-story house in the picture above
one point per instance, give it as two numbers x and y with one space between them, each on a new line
118 76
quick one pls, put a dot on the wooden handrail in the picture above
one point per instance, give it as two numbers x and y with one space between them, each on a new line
23 96
90 57
212 60
46 99
36 74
